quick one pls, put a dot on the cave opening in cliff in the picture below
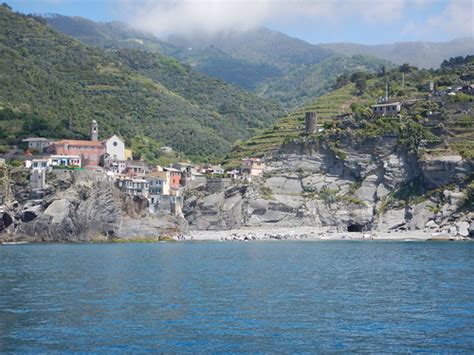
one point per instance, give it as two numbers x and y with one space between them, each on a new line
354 228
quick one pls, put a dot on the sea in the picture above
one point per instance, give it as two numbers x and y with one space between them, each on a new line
280 296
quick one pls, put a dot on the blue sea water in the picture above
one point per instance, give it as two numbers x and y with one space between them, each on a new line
238 297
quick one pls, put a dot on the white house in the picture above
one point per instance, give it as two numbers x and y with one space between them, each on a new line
66 160
37 143
39 164
387 109
115 147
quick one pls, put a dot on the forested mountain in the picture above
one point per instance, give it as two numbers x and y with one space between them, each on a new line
420 54
54 85
262 46
267 62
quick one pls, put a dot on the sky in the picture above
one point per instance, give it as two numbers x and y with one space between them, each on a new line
315 21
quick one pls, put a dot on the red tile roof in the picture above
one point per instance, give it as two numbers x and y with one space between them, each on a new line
74 142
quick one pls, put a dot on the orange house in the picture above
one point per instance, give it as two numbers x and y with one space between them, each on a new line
175 177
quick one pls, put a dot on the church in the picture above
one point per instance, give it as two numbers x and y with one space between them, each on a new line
89 151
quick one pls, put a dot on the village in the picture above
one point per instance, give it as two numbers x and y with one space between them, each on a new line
162 186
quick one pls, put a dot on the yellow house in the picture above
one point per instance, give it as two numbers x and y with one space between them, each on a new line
128 154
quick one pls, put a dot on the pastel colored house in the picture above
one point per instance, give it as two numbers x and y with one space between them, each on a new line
128 154
89 151
174 177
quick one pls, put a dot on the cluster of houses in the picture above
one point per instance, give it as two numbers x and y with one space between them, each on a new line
162 186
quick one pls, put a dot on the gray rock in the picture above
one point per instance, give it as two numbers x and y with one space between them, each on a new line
368 189
431 224
463 229
391 220
284 185
452 230
420 216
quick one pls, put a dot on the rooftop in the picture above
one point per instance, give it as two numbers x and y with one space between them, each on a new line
35 139
387 104
80 143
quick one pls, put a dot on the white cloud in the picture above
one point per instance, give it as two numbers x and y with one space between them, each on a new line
457 19
211 16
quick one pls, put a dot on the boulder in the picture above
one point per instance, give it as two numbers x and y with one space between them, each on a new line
463 229
392 219
421 216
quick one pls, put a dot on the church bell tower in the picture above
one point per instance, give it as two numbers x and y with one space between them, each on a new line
94 131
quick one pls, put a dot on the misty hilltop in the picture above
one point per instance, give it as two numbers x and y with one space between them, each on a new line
262 60
421 54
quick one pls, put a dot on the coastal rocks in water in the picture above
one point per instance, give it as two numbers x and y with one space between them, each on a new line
90 210
55 224
148 227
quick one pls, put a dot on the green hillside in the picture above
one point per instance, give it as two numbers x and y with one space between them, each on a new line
436 125
270 63
56 85
302 84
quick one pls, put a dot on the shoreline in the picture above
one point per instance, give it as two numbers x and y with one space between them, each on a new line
309 233
246 234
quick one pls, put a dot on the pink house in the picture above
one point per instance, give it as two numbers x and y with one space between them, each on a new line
89 151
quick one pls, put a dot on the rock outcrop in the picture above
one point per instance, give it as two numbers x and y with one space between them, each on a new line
377 186
80 209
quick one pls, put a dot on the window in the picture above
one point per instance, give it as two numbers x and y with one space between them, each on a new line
115 144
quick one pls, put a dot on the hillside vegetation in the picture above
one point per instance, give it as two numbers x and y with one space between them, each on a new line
271 64
428 125
52 84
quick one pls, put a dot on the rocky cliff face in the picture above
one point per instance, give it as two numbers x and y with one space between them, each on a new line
377 186
81 208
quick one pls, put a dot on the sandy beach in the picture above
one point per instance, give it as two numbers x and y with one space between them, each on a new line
310 233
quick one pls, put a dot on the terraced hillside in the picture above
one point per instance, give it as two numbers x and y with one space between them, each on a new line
442 124
327 108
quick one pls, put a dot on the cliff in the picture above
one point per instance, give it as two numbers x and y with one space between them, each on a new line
378 185
79 207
